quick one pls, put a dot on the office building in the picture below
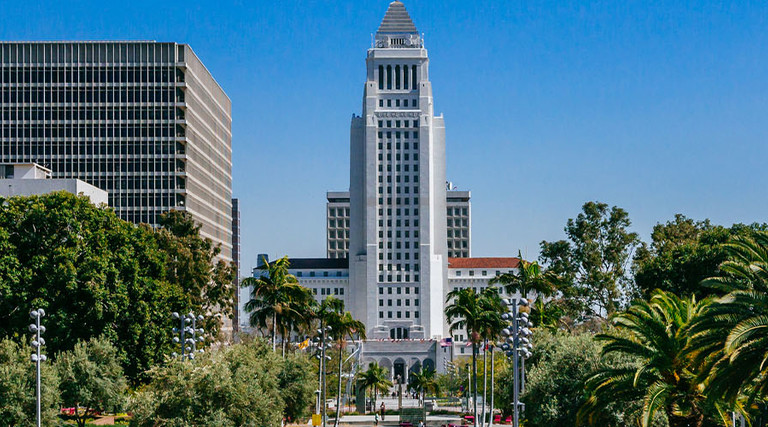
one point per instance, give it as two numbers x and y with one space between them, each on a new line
143 120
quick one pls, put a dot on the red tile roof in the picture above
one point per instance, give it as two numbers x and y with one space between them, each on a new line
483 262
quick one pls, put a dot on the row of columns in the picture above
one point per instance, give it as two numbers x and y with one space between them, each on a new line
397 77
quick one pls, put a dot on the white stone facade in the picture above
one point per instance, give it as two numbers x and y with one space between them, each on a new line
388 238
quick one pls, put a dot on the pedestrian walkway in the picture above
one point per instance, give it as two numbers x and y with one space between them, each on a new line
394 420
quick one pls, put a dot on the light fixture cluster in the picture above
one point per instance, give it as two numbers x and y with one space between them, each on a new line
37 342
188 335
518 347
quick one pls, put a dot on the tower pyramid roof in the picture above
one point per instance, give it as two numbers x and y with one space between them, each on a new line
397 20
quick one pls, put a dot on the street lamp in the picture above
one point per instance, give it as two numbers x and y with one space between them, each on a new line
37 342
322 346
518 348
188 335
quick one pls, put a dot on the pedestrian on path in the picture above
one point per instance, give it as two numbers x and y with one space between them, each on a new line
382 408
375 419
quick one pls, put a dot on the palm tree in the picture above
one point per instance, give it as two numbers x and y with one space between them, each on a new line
376 379
465 310
666 377
528 278
732 335
424 381
491 326
278 301
343 325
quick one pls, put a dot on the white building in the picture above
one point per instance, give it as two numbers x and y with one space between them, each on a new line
390 237
31 179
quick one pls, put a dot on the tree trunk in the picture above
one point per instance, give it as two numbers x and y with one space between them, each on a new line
490 422
338 395
283 343
485 379
474 379
274 331
80 419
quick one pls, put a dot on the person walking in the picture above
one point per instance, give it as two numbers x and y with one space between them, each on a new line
382 408
375 419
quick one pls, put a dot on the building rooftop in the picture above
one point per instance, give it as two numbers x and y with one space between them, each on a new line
483 262
397 20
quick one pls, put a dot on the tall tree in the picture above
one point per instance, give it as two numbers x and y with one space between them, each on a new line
277 299
195 263
375 378
343 326
594 257
682 253
491 326
529 278
667 376
97 275
91 378
479 315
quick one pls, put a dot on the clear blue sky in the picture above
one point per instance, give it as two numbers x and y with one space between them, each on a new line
658 107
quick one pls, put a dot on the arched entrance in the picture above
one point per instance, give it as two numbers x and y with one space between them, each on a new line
398 370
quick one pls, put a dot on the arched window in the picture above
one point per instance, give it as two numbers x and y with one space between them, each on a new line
397 77
389 77
405 77
413 76
381 77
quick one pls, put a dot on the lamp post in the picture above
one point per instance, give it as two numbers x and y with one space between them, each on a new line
518 347
37 342
188 335
322 358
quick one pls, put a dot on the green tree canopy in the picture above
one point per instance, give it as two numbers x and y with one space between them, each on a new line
240 385
667 377
91 378
683 253
593 260
18 387
554 383
732 336
97 275
297 381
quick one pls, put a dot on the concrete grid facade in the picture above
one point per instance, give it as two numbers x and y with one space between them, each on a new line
458 220
143 120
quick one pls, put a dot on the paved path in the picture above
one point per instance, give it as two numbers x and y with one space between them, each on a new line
394 420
